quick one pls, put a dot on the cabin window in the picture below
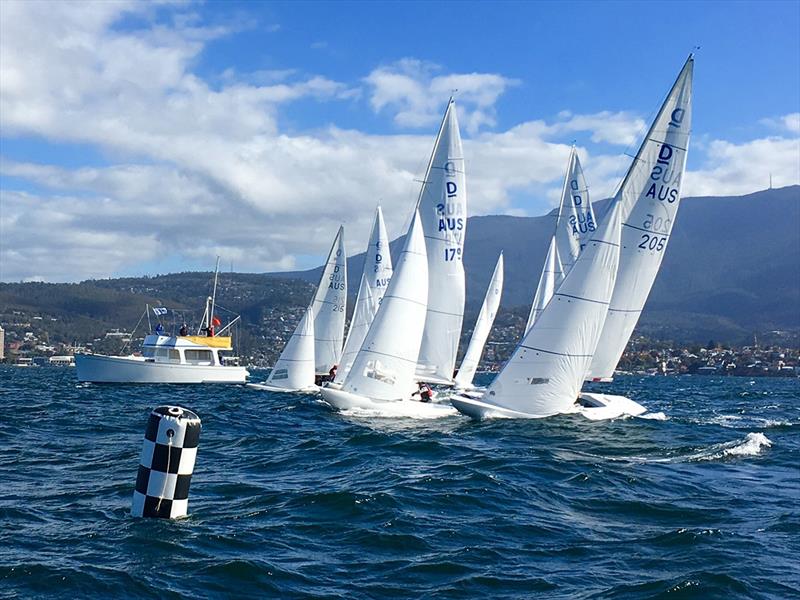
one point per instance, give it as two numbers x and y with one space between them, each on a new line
280 374
199 357
149 352
174 356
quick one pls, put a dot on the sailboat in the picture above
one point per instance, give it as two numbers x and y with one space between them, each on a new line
382 375
545 372
442 206
171 358
374 280
575 224
294 370
329 307
491 302
649 197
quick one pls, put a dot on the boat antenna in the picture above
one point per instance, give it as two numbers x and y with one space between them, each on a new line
213 295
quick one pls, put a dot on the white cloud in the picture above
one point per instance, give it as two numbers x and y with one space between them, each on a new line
732 169
620 128
412 90
792 122
200 169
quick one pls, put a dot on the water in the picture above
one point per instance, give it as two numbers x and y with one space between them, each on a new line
290 499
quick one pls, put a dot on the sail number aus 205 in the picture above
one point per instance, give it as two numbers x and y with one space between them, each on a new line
652 242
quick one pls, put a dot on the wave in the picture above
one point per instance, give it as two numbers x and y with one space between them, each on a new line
751 445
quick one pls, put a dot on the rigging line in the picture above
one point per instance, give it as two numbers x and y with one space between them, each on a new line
128 343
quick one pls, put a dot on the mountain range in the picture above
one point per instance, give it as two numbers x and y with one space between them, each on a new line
732 269
732 266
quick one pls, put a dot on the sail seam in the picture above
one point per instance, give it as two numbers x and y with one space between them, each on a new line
390 356
646 230
406 299
667 143
556 353
585 299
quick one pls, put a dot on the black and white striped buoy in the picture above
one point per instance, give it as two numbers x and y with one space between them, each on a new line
165 468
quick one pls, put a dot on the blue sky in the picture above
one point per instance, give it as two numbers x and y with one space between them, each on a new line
139 138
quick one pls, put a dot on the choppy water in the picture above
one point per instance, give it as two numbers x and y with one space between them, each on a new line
290 499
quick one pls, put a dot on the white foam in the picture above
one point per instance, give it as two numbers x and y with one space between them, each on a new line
656 416
752 445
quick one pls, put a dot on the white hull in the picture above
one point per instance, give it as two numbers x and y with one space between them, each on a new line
386 408
97 368
313 389
595 407
600 407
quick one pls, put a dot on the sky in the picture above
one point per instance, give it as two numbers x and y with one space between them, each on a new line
139 138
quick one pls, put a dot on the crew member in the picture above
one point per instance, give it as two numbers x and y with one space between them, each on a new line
184 331
425 392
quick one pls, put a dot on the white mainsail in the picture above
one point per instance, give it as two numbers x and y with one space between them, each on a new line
384 366
483 326
374 281
442 207
330 303
551 277
545 373
294 370
649 197
576 222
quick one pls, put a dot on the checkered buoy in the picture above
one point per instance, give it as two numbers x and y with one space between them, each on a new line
165 468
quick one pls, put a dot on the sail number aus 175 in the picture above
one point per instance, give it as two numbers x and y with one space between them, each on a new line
452 254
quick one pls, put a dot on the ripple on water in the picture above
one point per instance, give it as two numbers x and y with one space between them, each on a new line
291 499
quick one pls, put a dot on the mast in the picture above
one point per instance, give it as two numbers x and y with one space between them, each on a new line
213 295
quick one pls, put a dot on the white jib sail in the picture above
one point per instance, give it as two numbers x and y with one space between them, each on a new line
374 281
442 207
650 196
545 373
551 277
384 366
483 326
576 223
294 370
330 303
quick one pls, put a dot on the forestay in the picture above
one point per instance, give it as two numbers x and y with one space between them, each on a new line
545 372
374 281
551 277
384 366
649 197
483 326
329 307
442 207
294 370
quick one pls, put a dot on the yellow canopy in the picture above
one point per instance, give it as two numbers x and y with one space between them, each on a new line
223 342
